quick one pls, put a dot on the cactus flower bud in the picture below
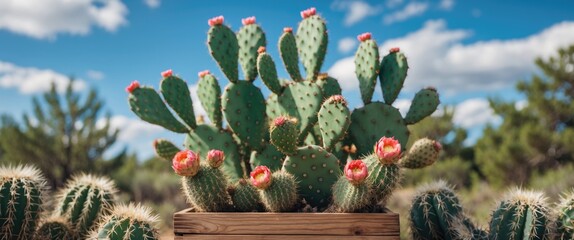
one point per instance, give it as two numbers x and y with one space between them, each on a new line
247 21
388 150
215 158
364 37
167 73
337 99
203 73
308 13
261 177
133 86
261 50
186 163
394 50
215 21
287 29
356 171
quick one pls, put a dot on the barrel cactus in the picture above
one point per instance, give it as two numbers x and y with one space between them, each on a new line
127 222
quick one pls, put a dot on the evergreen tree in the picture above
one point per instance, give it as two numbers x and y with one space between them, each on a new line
64 136
538 135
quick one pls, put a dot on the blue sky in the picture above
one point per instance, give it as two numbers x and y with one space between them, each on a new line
469 50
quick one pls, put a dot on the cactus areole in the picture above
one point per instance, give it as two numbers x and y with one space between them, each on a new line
298 146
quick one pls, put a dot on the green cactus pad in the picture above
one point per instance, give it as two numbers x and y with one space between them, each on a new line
302 100
268 73
384 178
314 136
392 74
206 137
209 94
312 40
146 103
207 190
269 156
281 194
244 108
21 192
521 215
334 119
246 197
424 152
288 51
224 49
424 104
373 121
131 222
284 134
250 37
329 85
165 149
176 94
367 68
316 170
55 228
273 109
350 198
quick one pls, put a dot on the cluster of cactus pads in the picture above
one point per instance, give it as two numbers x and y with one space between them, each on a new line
86 208
436 213
288 151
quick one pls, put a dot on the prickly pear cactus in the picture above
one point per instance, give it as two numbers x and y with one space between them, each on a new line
127 222
21 192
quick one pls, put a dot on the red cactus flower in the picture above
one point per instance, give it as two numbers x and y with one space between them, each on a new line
261 49
356 171
167 73
203 73
215 21
133 86
287 29
388 150
247 21
279 121
185 163
308 13
261 177
364 37
215 158
394 50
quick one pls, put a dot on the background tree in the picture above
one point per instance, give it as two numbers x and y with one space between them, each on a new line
64 136
537 136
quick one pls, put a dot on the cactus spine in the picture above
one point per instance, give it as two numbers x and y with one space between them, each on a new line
84 200
127 222
278 191
21 192
207 190
55 228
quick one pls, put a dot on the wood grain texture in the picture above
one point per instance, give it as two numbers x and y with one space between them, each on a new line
282 237
300 224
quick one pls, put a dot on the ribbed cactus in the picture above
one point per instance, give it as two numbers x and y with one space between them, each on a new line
21 193
351 192
246 197
127 222
565 223
55 228
521 215
278 190
84 200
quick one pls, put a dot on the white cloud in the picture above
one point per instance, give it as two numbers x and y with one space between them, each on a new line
437 57
403 105
95 75
29 80
131 129
474 112
446 4
44 19
347 44
356 10
413 9
152 3
394 3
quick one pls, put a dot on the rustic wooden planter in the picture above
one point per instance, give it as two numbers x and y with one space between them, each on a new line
267 226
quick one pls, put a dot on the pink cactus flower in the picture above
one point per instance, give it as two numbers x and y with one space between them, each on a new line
261 177
279 121
203 73
247 21
287 29
185 163
364 37
215 21
133 86
394 50
261 49
356 171
215 158
167 73
388 150
308 13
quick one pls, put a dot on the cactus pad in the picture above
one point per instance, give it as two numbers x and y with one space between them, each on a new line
244 108
367 68
288 52
146 103
177 96
302 100
424 104
392 74
268 73
334 119
209 94
165 149
312 42
329 85
269 156
250 37
224 49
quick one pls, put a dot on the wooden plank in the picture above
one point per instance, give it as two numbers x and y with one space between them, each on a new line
282 237
341 224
